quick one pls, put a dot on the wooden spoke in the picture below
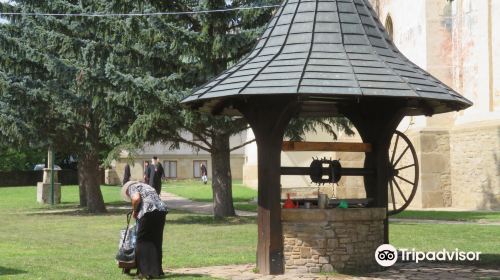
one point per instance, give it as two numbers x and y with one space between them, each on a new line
408 166
410 169
392 195
399 189
395 147
406 180
401 156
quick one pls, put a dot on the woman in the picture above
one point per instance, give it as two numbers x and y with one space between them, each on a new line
150 213
204 174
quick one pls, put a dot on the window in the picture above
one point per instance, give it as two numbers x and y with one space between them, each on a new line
197 167
389 27
170 167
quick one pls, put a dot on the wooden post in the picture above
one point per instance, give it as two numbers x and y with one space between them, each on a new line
377 126
269 119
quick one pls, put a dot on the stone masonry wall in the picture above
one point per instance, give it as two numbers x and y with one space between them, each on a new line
475 166
435 182
326 240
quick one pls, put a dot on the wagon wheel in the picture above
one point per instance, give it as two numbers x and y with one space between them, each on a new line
403 173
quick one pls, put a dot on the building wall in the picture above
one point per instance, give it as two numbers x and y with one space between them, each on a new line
293 159
184 155
474 139
475 165
459 50
184 149
184 166
495 53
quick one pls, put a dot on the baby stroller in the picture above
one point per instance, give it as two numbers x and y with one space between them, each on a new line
125 257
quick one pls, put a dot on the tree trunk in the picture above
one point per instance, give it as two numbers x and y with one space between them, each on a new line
221 177
81 186
89 163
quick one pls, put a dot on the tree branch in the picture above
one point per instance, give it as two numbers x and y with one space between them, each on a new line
192 19
182 140
238 126
200 136
242 145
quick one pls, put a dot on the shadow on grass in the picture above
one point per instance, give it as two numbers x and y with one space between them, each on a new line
209 220
62 205
11 271
174 216
235 200
113 208
449 215
488 260
249 207
82 213
184 276
118 203
75 206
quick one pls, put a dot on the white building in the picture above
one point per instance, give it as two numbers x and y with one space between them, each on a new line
181 163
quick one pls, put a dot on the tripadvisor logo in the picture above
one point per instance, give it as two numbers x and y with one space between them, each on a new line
386 255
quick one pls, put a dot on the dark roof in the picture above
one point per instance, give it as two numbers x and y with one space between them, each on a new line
328 50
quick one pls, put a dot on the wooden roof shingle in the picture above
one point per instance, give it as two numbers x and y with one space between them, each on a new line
328 49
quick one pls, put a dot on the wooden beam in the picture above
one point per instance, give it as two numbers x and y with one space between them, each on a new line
269 117
305 171
326 146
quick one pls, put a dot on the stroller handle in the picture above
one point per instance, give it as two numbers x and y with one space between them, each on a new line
129 216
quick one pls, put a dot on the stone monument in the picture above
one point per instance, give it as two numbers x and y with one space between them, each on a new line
43 189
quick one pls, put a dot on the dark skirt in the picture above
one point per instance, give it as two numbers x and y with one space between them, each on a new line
148 249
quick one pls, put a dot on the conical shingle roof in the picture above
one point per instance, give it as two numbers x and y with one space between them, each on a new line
330 50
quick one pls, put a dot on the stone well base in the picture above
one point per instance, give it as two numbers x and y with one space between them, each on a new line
43 192
326 240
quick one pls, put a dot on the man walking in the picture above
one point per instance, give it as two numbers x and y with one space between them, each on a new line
126 174
155 174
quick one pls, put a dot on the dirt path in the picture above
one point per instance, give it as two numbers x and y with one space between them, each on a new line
180 203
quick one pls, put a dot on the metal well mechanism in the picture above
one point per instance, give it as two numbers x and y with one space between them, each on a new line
403 168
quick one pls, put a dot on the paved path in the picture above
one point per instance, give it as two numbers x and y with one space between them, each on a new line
421 271
180 203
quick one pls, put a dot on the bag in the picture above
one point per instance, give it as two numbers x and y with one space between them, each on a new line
125 255
126 246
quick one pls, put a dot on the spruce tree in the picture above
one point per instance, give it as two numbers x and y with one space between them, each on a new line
54 85
92 84
207 44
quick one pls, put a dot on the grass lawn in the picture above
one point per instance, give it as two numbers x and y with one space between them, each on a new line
435 237
487 216
36 243
195 190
